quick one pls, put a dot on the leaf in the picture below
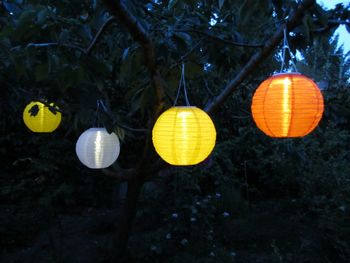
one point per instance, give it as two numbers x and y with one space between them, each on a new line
347 28
34 110
246 10
25 24
277 4
85 32
221 3
120 133
12 8
307 27
109 127
131 64
144 24
41 16
42 72
146 99
69 77
321 14
63 37
186 38
193 70
125 53
26 18
53 109
171 4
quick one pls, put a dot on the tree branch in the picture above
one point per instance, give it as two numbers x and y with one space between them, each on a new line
99 34
336 22
87 51
332 23
52 44
120 174
219 39
139 33
293 20
183 57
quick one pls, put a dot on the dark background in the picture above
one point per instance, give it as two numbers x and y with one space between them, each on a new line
255 199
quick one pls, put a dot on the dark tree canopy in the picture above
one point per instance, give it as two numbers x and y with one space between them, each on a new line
129 55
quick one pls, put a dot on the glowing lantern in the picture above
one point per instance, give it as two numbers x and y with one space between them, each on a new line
287 105
184 135
39 118
97 149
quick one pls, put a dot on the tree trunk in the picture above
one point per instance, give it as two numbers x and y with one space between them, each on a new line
125 222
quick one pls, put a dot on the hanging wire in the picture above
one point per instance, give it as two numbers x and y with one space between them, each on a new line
286 47
182 83
97 114
178 91
102 104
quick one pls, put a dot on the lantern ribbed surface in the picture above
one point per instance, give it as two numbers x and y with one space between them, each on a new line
184 135
97 149
287 105
44 120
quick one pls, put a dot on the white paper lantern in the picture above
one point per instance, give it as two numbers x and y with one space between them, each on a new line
97 149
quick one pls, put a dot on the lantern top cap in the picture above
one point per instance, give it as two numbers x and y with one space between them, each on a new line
96 129
186 107
286 73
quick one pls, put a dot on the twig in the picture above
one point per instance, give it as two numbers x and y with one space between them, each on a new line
87 51
130 129
111 117
139 33
331 23
184 57
99 34
52 44
219 39
216 38
207 87
156 15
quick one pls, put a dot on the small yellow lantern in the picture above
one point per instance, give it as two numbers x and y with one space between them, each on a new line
39 118
184 135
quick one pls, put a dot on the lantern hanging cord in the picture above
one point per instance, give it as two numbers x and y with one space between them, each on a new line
286 47
97 114
103 106
183 84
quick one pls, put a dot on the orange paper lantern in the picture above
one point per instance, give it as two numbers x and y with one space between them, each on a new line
287 105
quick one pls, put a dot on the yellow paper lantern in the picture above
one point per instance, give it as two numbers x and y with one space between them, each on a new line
287 105
39 118
184 135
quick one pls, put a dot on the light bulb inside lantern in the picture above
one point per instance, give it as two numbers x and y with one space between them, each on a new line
98 147
286 106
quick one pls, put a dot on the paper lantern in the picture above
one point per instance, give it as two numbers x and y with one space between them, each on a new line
184 135
287 105
39 118
97 149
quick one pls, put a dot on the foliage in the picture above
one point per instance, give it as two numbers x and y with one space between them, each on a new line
237 206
